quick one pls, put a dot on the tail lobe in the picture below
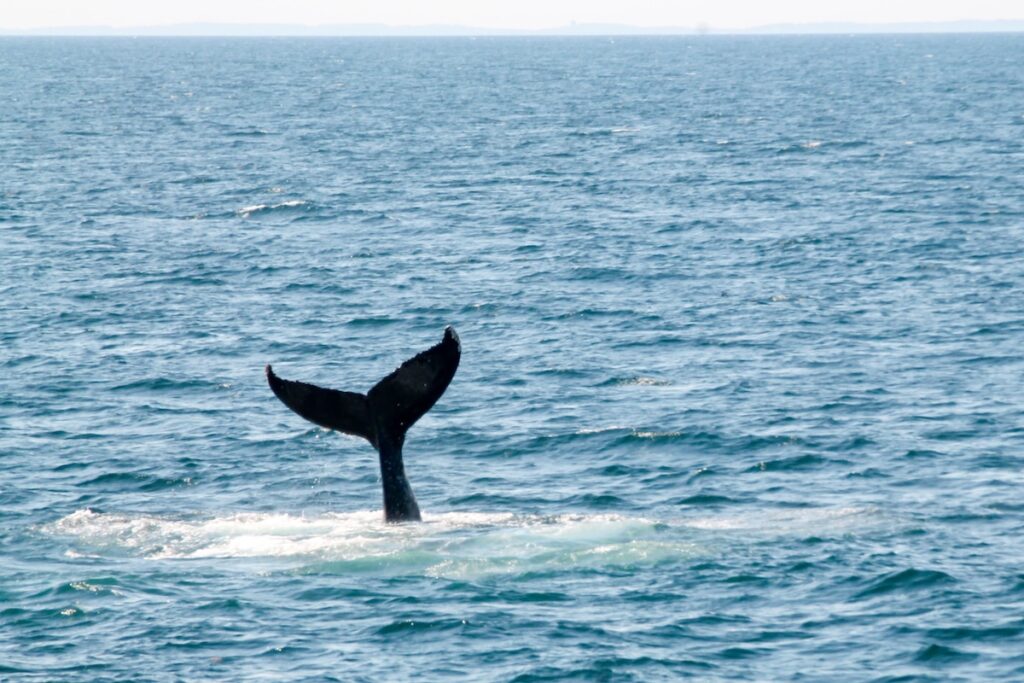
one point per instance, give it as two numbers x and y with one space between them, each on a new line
404 396
392 406
343 411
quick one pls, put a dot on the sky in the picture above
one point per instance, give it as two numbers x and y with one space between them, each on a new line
518 14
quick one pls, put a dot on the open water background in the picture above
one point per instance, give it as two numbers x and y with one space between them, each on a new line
740 397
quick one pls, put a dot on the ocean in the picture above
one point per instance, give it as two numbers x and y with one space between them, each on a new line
740 392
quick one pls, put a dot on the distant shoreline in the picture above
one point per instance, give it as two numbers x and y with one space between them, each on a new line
221 30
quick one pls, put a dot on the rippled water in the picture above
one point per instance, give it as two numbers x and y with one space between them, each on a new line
740 390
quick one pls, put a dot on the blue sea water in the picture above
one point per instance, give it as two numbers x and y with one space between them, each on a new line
740 396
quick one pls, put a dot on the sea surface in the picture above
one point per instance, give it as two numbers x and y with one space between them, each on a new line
741 388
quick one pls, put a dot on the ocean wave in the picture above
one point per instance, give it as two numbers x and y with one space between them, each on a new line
255 210
635 381
796 463
906 580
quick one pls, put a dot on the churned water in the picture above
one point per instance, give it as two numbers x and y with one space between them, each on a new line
740 396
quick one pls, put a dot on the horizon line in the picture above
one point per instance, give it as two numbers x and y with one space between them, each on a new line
594 29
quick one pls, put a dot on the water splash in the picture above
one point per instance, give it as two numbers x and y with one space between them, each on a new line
455 544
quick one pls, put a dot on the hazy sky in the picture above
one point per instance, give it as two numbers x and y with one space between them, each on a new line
15 14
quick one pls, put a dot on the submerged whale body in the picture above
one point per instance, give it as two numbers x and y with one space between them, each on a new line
383 415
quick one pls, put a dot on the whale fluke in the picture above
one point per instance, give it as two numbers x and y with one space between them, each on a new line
343 411
383 415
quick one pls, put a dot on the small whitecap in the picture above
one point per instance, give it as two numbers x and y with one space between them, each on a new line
600 430
256 209
656 435
643 381
85 586
245 211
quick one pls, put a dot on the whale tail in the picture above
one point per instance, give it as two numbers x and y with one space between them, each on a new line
392 406
384 414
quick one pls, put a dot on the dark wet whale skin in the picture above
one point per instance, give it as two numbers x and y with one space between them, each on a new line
383 415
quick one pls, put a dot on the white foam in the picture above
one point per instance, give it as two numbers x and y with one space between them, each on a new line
460 545
454 544
647 382
656 435
805 520
247 211
599 430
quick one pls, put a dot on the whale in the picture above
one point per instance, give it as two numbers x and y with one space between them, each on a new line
382 415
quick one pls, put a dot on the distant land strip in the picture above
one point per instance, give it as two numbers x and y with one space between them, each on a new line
575 29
